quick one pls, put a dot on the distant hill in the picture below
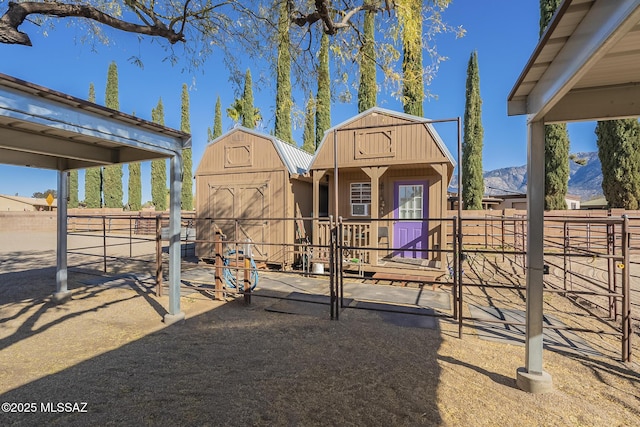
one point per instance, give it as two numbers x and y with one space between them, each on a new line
585 178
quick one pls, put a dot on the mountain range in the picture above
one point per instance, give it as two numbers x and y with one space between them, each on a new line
585 178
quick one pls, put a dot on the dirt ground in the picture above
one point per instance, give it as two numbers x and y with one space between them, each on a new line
107 351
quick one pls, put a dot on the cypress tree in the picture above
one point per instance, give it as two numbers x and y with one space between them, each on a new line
472 179
187 165
249 117
159 167
73 189
217 123
619 153
112 175
282 129
323 98
93 176
556 140
308 136
368 89
410 17
135 187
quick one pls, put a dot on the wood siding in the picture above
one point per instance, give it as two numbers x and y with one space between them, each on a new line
377 140
244 188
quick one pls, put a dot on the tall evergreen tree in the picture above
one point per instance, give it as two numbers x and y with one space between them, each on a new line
135 187
249 119
308 136
217 122
187 165
73 189
472 179
323 98
410 17
368 89
556 140
282 129
93 176
619 153
159 167
112 175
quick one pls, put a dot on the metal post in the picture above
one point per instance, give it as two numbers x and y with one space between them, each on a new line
247 272
159 255
219 265
626 303
62 292
532 377
175 192
104 244
130 240
332 267
610 270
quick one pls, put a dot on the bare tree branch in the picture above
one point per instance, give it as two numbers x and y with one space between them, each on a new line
18 12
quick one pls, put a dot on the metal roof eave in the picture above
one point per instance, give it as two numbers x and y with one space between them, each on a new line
604 24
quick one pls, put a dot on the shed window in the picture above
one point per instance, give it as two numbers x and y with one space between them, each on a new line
360 198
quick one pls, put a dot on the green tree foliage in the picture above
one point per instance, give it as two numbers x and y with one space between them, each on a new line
556 142
112 175
323 98
92 185
232 26
410 17
472 176
135 187
249 119
39 195
93 176
619 153
159 167
92 93
308 135
217 122
73 189
556 164
187 162
368 89
282 129
243 110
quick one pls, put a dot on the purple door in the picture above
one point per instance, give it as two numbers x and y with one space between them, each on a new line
410 227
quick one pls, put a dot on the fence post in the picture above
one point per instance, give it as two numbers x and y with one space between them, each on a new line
332 266
219 265
247 272
104 244
610 270
158 256
130 240
626 303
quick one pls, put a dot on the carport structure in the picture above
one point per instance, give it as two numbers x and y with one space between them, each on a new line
585 67
46 129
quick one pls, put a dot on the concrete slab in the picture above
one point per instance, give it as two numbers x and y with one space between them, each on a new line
304 304
553 339
413 317
398 295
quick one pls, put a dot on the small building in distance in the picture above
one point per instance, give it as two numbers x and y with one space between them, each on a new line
25 204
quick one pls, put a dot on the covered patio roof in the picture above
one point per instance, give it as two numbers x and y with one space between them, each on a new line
585 67
42 128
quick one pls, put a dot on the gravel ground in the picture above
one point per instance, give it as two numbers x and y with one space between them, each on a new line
231 364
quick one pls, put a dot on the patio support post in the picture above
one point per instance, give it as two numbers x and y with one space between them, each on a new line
532 378
62 293
374 173
175 195
317 176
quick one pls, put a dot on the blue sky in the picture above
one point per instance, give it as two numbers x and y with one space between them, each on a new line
504 33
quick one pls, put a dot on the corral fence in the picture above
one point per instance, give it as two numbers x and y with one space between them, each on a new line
590 261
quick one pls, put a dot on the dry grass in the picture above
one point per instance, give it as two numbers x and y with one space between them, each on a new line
230 364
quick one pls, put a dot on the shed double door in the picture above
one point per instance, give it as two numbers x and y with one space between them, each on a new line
245 209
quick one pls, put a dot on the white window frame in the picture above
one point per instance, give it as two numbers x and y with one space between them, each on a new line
358 197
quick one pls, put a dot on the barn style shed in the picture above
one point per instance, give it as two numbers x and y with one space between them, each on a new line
391 171
253 186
